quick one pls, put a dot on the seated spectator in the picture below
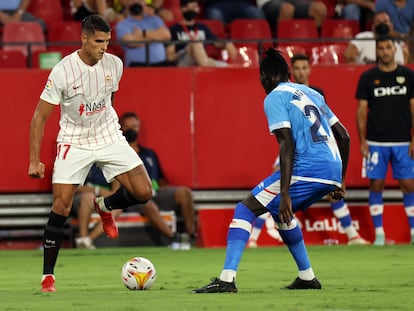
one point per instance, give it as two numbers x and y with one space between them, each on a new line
83 206
401 14
15 11
165 14
228 10
167 197
362 51
138 30
358 10
276 10
84 8
190 53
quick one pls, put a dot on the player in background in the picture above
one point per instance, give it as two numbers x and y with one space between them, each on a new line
385 117
83 84
301 70
314 152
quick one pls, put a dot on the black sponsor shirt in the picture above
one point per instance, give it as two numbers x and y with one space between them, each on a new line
388 95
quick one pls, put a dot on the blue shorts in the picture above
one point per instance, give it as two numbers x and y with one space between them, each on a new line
380 156
302 193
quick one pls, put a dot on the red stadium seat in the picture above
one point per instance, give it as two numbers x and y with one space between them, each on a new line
339 29
332 54
64 36
216 26
22 36
48 10
303 29
251 30
247 56
289 50
12 59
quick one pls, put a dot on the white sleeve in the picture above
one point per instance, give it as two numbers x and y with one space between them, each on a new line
52 93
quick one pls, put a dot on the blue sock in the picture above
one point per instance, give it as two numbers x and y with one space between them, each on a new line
409 208
341 213
293 239
376 208
238 234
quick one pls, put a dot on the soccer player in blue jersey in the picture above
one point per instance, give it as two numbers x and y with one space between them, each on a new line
314 152
385 117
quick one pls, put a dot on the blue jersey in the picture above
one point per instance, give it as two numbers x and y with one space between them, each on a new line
304 111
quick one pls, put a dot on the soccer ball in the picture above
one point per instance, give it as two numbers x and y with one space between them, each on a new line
138 273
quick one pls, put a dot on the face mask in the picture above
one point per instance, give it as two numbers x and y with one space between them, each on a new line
189 15
382 29
135 9
131 135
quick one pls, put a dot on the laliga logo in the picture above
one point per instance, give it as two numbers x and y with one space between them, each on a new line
327 224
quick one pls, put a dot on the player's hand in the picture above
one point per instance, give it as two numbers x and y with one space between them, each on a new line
285 209
337 194
36 170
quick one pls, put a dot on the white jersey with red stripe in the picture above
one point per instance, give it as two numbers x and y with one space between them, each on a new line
84 93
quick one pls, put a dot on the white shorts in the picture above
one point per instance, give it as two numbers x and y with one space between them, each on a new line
72 164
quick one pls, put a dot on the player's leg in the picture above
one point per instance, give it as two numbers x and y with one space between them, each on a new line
256 230
84 203
376 169
53 234
98 229
121 162
341 211
403 170
303 194
70 169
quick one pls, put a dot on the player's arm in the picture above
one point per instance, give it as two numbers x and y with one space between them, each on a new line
412 127
37 125
344 142
361 119
286 154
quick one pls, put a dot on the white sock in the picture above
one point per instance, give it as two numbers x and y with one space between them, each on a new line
307 275
228 275
351 232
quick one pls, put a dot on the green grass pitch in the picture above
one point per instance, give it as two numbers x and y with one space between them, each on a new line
353 278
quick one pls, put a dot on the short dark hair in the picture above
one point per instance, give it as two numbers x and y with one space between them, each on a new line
185 2
94 23
128 115
275 65
297 57
384 38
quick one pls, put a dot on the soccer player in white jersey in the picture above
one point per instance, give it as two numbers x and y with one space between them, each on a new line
83 84
314 152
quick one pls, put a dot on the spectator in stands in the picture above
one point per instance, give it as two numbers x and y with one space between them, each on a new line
83 206
15 11
401 13
228 10
314 152
166 197
361 11
84 8
301 69
190 53
276 10
165 14
362 51
385 117
139 30
154 7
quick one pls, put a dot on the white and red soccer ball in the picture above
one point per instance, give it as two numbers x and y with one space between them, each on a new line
138 273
